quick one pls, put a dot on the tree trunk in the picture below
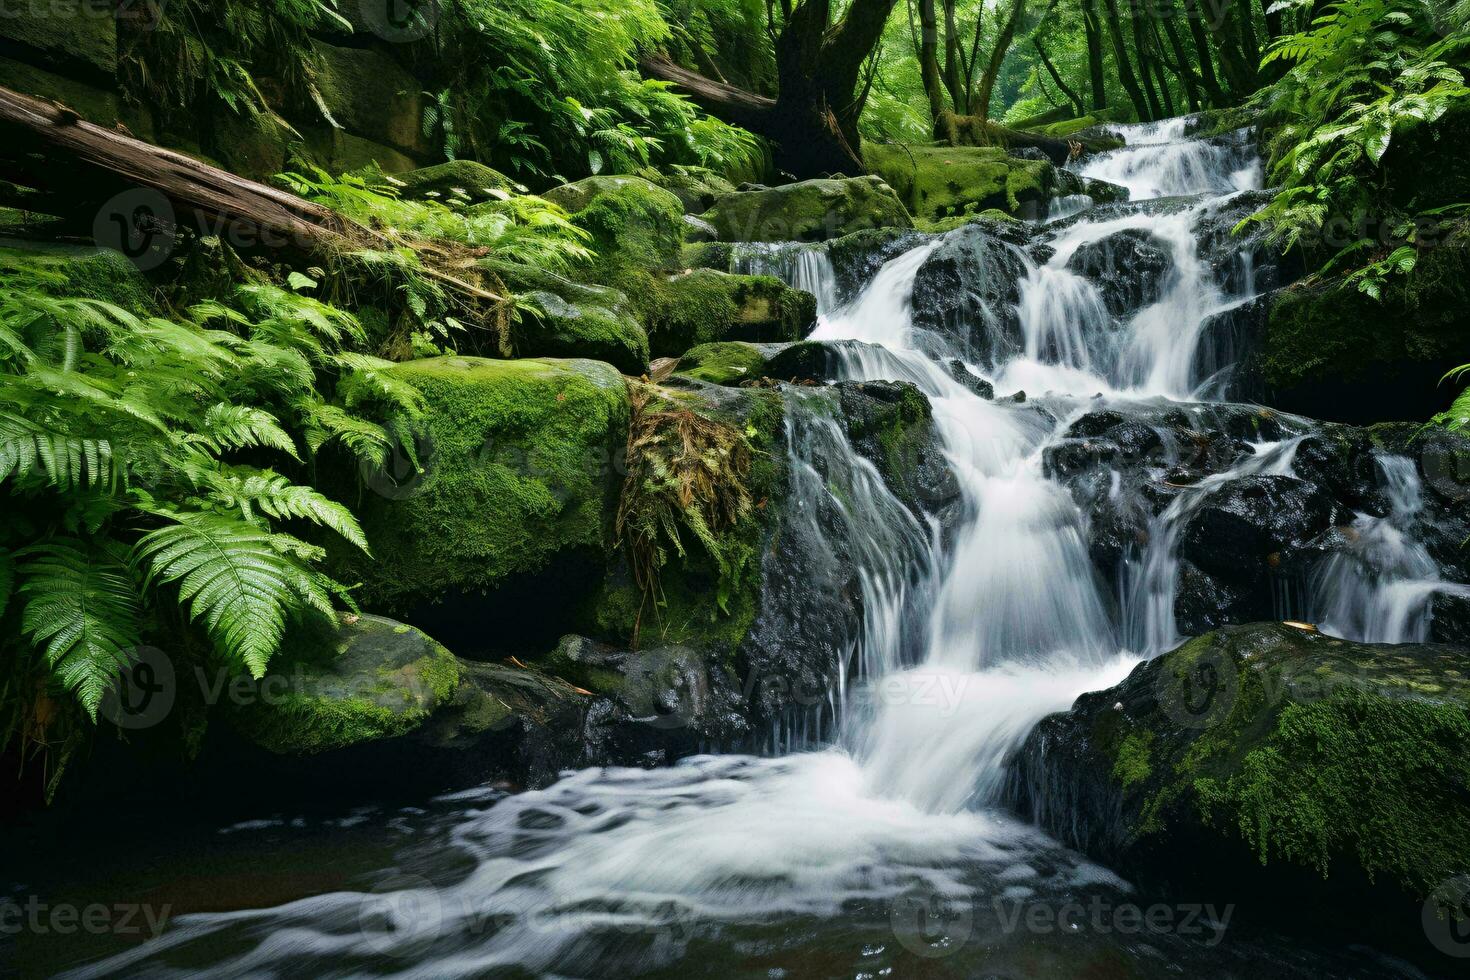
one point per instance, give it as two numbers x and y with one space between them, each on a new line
1145 61
1120 58
45 146
813 119
997 58
1068 91
1095 66
1183 67
929 59
1202 50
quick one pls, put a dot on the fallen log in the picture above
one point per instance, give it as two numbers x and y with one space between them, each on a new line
974 131
46 146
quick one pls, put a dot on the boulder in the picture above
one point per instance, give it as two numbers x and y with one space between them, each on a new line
725 363
1129 268
1335 353
696 187
811 210
632 223
510 509
462 181
338 151
370 95
705 306
76 37
1273 764
344 684
944 181
573 320
967 290
76 270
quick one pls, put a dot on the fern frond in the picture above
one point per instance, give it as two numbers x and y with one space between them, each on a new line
276 496
233 577
229 426
82 607
68 462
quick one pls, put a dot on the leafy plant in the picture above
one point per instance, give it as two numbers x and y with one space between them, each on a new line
138 471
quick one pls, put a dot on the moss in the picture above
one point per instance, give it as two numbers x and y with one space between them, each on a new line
698 188
550 326
1356 773
945 182
461 180
722 363
633 224
811 210
1132 764
518 467
705 305
707 255
368 679
95 273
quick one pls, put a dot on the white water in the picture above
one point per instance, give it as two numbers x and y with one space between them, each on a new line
964 648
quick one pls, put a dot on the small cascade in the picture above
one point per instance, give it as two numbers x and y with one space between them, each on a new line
1149 583
1378 588
801 266
1159 161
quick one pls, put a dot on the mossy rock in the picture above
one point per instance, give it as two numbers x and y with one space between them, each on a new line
1268 759
697 188
723 363
706 305
811 210
340 152
344 684
1332 352
75 270
77 36
550 326
253 144
94 103
464 181
517 470
372 96
633 224
945 181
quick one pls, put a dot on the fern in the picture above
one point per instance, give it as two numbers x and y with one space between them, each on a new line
66 462
81 608
237 583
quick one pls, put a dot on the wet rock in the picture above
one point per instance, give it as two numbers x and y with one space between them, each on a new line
1129 267
1256 522
1272 764
856 258
966 292
969 379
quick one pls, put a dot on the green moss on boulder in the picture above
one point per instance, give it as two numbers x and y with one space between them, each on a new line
550 326
1334 353
517 469
372 96
811 210
697 188
1284 755
337 685
465 181
725 363
73 270
706 305
633 224
944 181
79 36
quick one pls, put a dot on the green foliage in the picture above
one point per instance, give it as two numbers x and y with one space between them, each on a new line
544 87
136 458
1457 416
1363 73
195 54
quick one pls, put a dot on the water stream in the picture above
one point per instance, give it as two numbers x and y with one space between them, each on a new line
968 640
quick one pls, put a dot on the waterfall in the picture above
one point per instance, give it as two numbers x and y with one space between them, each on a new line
1378 589
967 640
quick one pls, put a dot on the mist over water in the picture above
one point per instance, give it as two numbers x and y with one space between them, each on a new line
968 640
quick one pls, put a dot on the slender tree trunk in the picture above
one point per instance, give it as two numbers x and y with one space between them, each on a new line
1202 50
1093 30
954 64
1219 19
1120 58
929 59
997 58
1184 69
1145 60
1068 91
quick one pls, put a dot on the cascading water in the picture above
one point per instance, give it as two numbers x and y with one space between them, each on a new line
968 640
